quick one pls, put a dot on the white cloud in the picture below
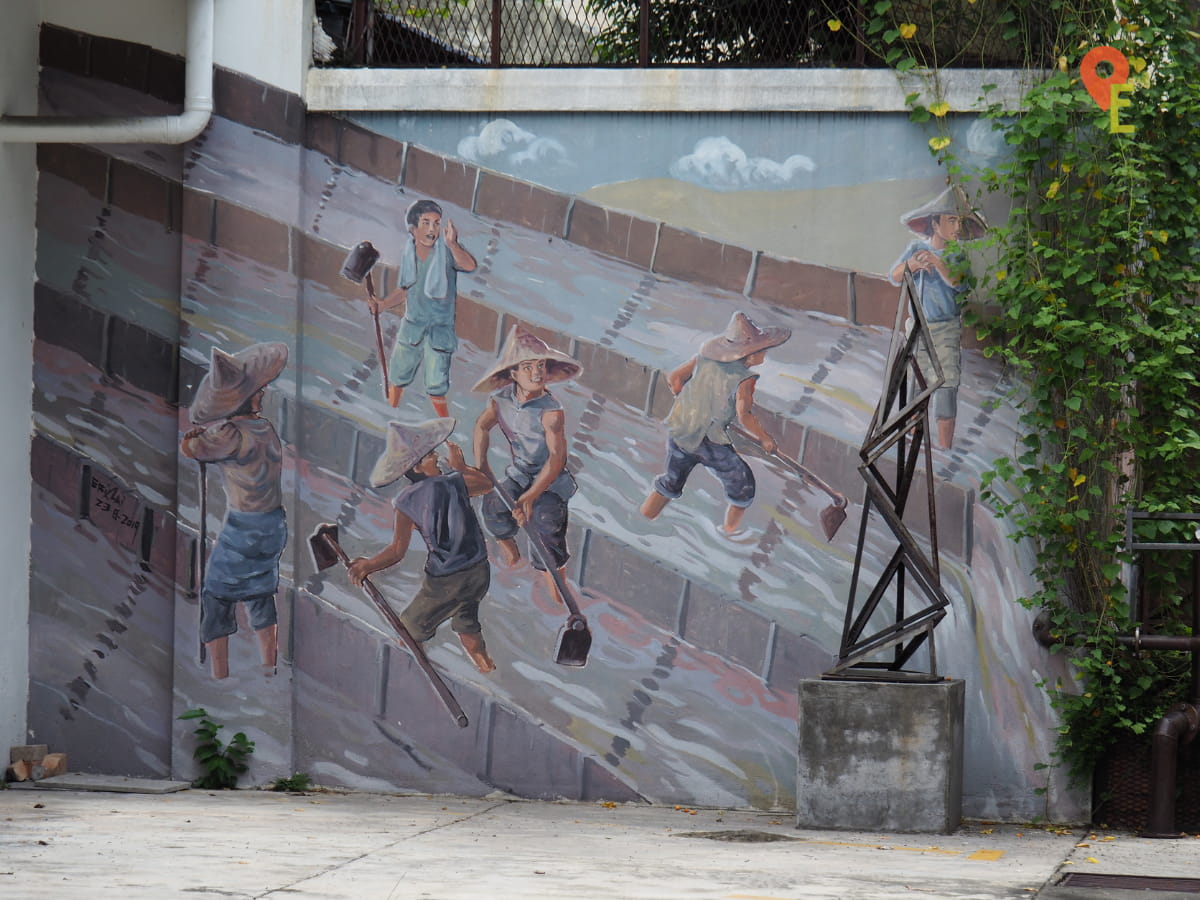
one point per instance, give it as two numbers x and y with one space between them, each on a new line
719 163
502 141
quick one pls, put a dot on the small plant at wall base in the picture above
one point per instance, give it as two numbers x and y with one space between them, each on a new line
222 764
1096 280
297 783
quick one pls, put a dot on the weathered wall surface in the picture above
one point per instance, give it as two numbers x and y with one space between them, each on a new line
149 258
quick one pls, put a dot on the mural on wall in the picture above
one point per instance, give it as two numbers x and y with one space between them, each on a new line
755 249
232 433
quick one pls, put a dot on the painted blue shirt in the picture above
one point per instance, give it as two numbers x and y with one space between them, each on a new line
522 425
940 300
440 508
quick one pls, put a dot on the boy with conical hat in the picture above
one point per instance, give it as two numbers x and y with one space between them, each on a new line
438 507
533 421
944 219
428 292
231 432
711 390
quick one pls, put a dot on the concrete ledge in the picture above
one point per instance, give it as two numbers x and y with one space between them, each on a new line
691 89
884 756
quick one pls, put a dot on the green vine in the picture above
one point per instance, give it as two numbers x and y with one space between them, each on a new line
1093 306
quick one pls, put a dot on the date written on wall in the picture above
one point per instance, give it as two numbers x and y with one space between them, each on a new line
110 506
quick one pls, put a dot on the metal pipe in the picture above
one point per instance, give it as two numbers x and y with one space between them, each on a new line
1178 726
177 129
1159 642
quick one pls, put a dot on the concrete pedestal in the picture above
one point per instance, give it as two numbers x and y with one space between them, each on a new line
880 756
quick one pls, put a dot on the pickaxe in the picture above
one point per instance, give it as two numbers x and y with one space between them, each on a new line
326 551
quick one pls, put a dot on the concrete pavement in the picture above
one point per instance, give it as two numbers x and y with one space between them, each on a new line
352 846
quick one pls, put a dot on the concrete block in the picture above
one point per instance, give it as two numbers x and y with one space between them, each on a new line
599 784
143 359
65 322
259 105
321 262
527 761
802 286
325 439
613 233
78 164
628 577
834 461
435 176
140 192
796 656
477 323
28 752
731 629
113 509
120 62
165 76
522 203
62 48
691 257
875 300
614 375
372 153
251 234
57 469
880 756
331 650
322 133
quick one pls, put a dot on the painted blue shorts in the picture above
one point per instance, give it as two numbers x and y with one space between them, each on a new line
408 358
549 521
720 459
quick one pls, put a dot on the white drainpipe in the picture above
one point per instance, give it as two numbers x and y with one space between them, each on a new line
197 104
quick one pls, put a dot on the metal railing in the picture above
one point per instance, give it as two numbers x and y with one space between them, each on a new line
404 33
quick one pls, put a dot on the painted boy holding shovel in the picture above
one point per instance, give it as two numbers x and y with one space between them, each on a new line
711 390
533 421
939 223
437 506
428 290
231 432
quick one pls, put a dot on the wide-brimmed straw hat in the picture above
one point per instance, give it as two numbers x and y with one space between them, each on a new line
951 201
233 379
519 346
406 446
743 337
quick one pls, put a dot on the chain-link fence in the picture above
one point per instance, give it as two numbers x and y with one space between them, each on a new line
785 33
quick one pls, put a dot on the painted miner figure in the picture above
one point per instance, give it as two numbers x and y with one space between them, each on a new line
937 273
532 421
428 291
712 390
436 506
231 433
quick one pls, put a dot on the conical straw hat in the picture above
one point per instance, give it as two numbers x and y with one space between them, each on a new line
519 346
233 379
406 446
951 201
741 338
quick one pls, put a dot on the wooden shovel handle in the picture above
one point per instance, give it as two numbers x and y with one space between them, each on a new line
406 638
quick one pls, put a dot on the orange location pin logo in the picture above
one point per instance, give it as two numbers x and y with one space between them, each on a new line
1098 86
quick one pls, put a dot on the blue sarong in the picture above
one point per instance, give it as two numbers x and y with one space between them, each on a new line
245 560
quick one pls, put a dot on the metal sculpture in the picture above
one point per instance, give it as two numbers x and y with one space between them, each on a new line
900 433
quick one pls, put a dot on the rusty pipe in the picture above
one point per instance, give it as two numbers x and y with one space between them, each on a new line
1179 726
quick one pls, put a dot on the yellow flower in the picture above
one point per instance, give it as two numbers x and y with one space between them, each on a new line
939 143
940 108
1052 191
1001 275
1062 60
907 30
834 24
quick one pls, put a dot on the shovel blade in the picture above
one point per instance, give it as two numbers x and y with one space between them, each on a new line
574 641
832 518
323 554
